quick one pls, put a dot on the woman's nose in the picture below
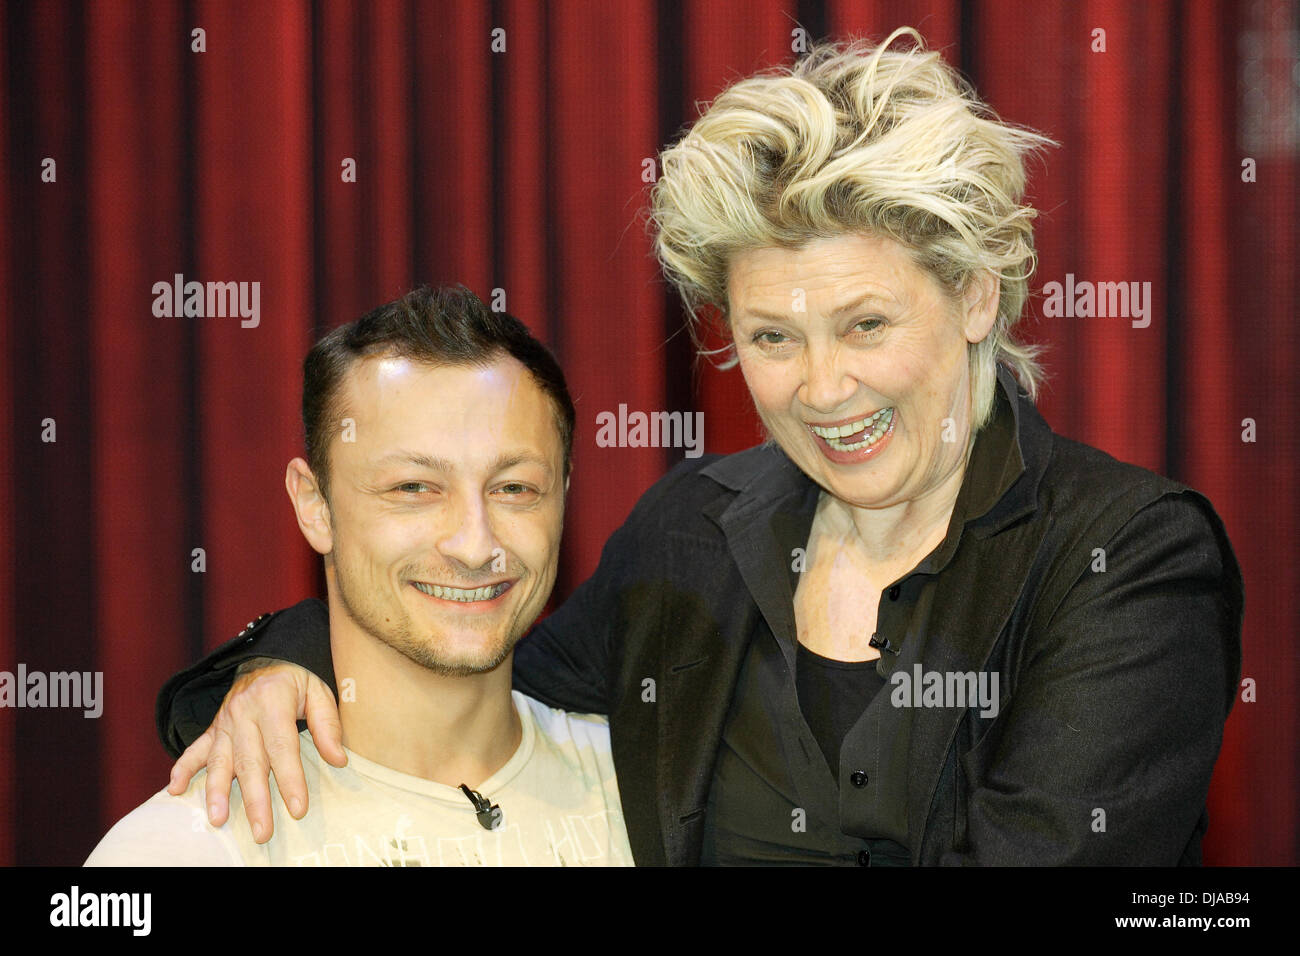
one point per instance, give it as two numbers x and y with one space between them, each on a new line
826 384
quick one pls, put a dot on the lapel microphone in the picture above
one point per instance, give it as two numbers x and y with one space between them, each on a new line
883 643
488 813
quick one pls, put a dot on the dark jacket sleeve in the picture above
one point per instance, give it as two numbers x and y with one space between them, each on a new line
1104 752
189 700
571 659
565 660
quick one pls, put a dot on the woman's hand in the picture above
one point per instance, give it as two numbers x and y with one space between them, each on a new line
256 732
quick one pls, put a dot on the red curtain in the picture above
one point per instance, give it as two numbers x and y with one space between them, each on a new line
522 170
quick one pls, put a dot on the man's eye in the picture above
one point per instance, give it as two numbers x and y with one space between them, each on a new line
515 488
412 487
870 326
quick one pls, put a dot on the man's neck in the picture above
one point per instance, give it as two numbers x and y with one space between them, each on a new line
403 716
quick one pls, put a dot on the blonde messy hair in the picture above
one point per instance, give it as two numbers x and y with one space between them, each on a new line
856 138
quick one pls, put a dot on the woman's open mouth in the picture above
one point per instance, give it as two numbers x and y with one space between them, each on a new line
857 440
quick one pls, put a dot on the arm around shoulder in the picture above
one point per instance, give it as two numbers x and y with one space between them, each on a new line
189 700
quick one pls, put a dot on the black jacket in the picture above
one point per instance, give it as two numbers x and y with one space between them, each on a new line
1115 685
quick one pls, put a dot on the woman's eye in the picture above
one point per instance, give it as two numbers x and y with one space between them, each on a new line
412 487
869 326
769 338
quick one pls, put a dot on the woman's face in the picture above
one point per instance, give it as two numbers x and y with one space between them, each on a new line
857 362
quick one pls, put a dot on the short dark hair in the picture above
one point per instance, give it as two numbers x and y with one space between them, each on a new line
445 326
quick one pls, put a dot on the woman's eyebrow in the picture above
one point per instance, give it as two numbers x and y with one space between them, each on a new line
838 310
860 301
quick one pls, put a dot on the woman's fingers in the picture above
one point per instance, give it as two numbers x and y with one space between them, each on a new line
255 733
323 721
217 784
194 759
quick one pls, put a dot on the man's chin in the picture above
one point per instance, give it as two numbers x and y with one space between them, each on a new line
464 666
465 661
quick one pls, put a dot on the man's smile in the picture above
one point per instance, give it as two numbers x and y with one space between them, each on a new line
485 594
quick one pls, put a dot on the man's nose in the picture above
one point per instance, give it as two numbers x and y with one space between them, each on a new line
469 540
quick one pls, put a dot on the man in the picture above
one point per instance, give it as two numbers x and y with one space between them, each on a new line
438 449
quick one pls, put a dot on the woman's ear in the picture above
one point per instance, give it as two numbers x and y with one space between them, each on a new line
309 506
980 306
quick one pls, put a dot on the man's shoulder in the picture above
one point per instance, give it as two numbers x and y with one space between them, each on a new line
564 727
572 760
170 830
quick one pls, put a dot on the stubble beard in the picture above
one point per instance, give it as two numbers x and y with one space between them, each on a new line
398 632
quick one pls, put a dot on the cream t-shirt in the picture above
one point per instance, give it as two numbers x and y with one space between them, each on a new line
558 796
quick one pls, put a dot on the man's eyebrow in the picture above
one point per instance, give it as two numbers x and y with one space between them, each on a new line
434 463
420 461
510 459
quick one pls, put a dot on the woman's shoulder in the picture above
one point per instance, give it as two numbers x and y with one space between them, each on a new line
1089 495
1087 480
1084 469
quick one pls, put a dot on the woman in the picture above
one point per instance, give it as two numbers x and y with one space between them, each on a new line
915 626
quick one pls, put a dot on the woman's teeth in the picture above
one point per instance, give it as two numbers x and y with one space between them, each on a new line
462 594
861 434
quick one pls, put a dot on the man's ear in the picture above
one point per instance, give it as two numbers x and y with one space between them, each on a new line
309 506
980 306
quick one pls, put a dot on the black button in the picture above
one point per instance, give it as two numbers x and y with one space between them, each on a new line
894 592
858 778
864 858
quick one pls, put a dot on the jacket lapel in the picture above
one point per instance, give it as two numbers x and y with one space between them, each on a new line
965 627
702 652
975 605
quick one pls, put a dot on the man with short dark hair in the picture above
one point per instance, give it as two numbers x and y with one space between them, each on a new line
438 442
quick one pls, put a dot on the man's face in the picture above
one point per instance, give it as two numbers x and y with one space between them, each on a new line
446 511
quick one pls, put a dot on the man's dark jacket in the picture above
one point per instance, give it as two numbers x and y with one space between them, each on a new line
1114 684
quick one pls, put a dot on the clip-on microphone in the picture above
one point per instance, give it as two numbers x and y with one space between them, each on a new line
488 813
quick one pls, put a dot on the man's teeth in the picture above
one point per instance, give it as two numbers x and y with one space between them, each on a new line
461 594
866 431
